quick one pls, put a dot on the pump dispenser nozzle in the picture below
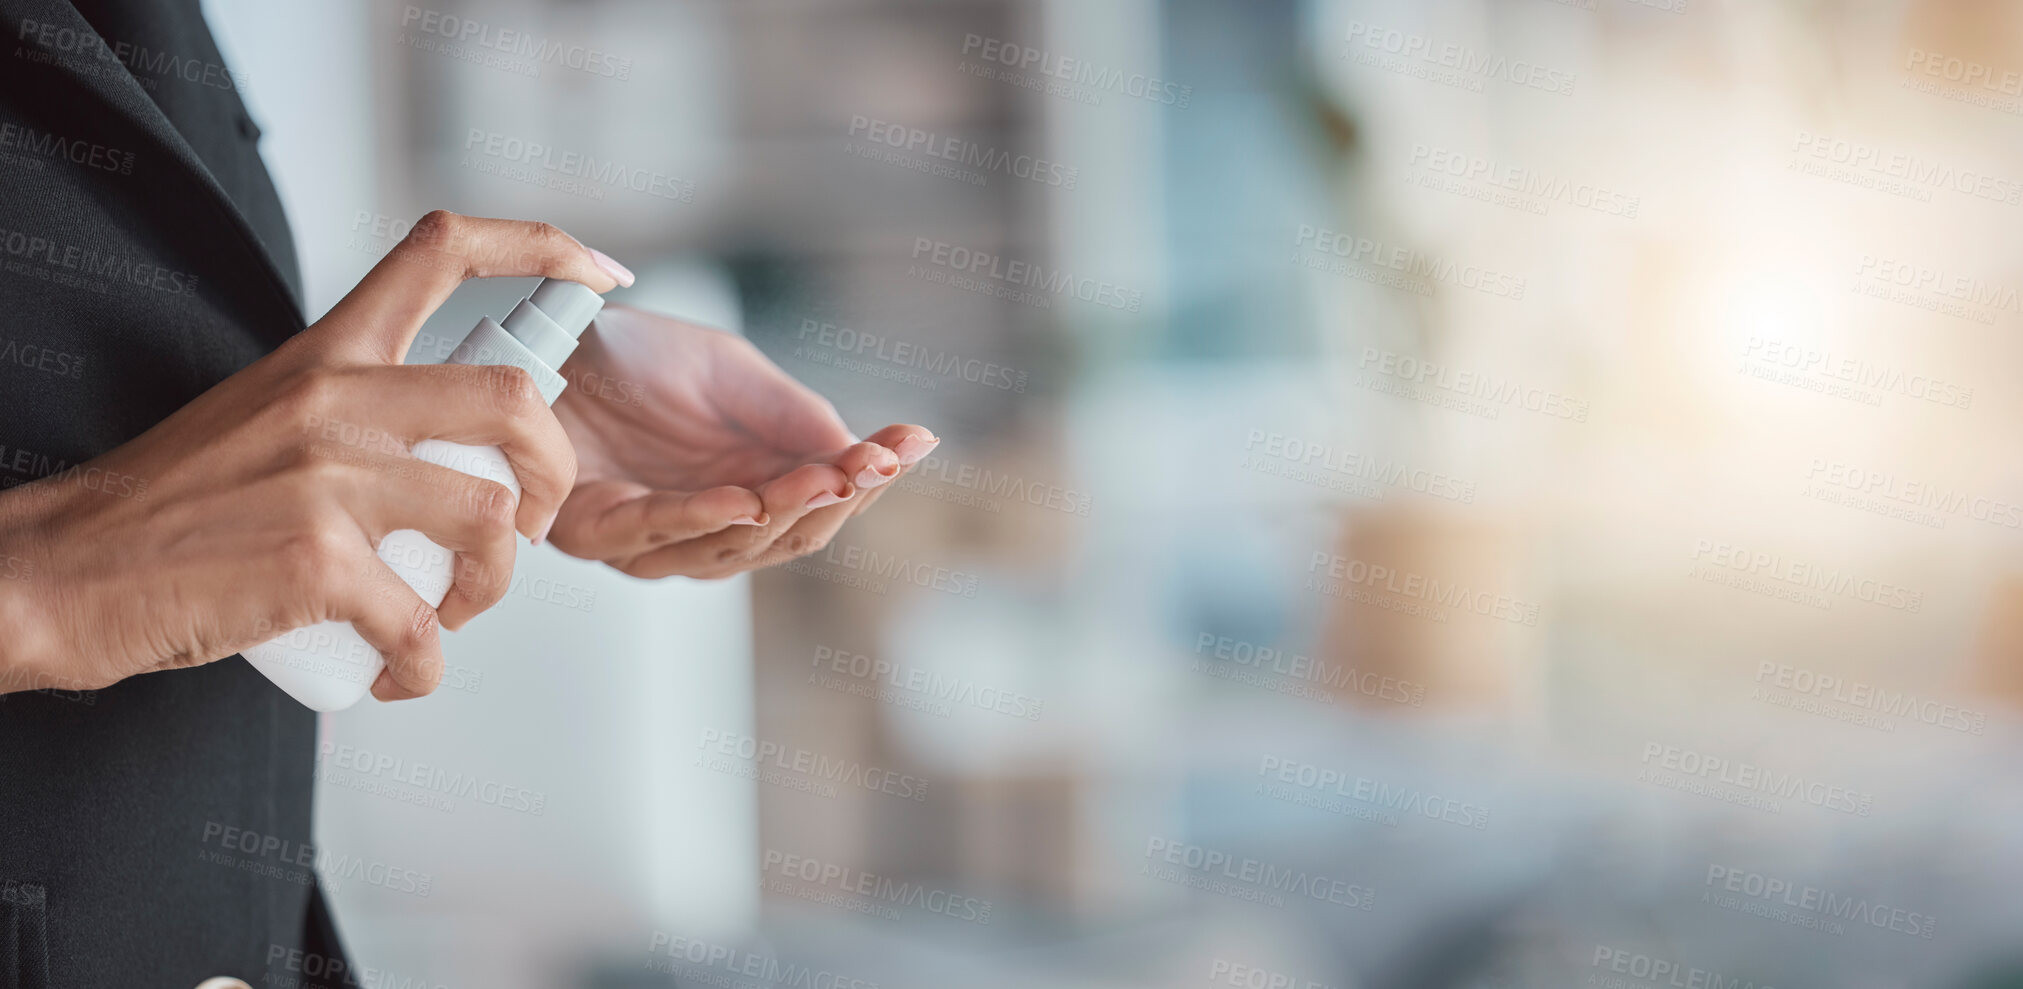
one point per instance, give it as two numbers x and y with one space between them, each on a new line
549 321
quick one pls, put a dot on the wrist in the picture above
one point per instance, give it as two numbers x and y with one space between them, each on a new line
32 654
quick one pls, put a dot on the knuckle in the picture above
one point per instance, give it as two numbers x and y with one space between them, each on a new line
308 395
492 505
315 471
512 390
418 639
418 633
318 559
437 230
549 238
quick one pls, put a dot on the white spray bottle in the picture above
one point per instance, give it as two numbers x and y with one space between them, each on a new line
327 666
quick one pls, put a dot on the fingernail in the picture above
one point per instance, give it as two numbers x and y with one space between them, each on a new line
827 498
912 448
870 477
749 520
543 534
612 268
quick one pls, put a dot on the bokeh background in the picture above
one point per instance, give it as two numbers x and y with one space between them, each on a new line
1514 494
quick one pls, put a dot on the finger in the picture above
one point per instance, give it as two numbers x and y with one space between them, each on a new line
383 312
394 620
911 445
813 531
469 516
908 442
481 405
788 499
611 520
868 465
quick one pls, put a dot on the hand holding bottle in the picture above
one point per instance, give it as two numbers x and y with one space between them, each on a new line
257 507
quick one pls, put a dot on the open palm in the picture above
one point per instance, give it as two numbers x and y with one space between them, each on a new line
698 456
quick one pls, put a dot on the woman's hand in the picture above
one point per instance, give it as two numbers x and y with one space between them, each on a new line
256 508
700 457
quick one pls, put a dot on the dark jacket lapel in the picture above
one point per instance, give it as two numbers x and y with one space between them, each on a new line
55 46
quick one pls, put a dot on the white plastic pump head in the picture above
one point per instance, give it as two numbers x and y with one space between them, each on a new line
548 322
572 305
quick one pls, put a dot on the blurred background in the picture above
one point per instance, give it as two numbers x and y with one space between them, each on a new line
1510 494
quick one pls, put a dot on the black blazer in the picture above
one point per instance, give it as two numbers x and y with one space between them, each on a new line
144 257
